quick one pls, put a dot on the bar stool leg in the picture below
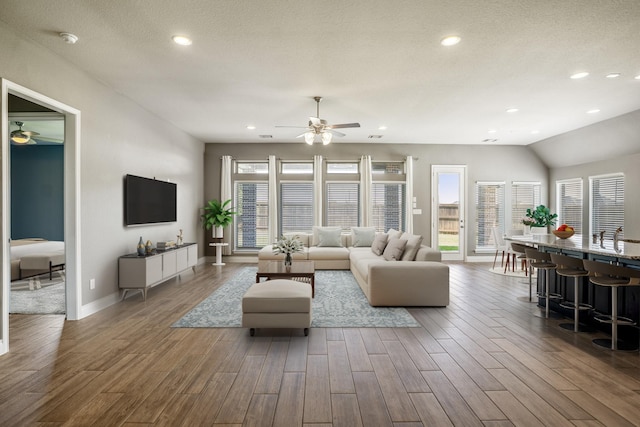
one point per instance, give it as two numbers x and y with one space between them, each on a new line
576 310
547 290
614 318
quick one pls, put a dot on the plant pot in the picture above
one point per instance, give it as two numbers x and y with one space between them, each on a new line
539 230
218 232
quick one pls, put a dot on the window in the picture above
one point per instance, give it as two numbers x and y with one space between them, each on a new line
607 203
293 168
524 195
342 167
252 168
252 219
388 202
569 201
296 207
342 206
490 212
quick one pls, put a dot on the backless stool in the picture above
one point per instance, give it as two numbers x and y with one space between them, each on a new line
542 261
567 266
612 276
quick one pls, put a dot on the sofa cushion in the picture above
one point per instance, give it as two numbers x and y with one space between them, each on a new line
379 243
329 237
362 236
303 237
315 238
328 253
413 244
394 249
394 233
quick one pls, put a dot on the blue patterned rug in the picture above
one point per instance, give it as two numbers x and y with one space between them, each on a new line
338 303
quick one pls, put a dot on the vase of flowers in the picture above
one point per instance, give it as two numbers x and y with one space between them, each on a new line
287 246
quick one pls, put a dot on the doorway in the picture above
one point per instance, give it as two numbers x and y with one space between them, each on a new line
448 211
72 203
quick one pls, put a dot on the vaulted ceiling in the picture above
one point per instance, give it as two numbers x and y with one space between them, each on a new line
376 62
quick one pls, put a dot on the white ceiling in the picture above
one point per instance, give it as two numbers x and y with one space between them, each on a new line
375 62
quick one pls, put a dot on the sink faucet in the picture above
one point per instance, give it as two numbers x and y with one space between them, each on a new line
602 237
615 235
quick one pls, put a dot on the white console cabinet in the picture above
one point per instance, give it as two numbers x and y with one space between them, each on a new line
142 272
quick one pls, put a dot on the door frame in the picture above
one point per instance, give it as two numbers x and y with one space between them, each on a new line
72 203
462 171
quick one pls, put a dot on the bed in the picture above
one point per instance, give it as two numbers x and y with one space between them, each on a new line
30 257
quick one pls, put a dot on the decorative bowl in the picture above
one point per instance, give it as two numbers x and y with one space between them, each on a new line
563 234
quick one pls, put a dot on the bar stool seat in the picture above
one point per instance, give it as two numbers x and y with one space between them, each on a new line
542 261
612 276
572 267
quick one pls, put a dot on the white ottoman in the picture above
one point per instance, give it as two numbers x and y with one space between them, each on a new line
277 304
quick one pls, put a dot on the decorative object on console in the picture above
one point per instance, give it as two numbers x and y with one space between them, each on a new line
287 246
179 238
148 247
218 215
140 247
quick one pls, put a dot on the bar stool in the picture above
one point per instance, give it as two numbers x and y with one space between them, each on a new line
572 267
612 276
542 261
517 252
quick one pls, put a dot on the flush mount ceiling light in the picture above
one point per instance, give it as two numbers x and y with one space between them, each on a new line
450 40
20 136
69 38
182 40
580 75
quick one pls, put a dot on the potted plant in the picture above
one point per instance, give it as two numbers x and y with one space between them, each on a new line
218 215
539 219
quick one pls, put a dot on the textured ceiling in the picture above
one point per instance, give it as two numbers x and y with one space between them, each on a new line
375 62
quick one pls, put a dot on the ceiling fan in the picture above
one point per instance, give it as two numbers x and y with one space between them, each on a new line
20 136
318 126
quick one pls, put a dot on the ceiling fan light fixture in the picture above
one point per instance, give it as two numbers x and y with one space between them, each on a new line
326 138
309 137
19 138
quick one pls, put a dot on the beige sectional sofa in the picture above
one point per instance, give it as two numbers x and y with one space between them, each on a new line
416 278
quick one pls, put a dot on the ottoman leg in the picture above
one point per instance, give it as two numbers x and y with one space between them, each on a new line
252 331
306 332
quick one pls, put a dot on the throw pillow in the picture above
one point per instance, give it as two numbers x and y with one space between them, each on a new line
413 244
303 237
362 236
394 249
329 237
394 233
315 239
379 243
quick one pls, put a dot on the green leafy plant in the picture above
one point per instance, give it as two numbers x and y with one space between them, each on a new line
541 216
217 214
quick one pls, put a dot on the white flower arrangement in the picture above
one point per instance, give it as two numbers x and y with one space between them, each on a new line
287 246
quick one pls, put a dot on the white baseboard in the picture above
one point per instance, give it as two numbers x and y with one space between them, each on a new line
98 305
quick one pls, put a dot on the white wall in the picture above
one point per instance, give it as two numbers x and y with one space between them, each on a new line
118 137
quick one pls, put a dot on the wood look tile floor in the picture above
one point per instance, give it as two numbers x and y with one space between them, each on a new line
484 360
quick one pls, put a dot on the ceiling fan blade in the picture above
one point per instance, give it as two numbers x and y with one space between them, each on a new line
295 127
335 132
344 125
301 135
47 139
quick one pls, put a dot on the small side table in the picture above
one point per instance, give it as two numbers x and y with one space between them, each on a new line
218 247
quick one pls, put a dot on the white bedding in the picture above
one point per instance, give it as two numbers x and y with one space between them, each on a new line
36 247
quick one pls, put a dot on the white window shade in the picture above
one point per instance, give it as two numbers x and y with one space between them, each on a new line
524 195
569 195
342 205
296 207
607 203
252 219
490 212
388 202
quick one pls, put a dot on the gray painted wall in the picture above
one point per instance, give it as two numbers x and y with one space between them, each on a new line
117 137
484 163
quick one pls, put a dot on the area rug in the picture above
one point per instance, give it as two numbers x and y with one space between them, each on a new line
517 273
38 295
338 303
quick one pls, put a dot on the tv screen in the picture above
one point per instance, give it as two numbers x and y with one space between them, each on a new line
148 201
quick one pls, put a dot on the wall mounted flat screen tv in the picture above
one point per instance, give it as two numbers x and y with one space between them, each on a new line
148 201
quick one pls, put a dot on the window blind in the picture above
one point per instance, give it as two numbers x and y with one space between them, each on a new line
490 212
296 207
607 203
524 195
342 205
388 206
569 195
252 219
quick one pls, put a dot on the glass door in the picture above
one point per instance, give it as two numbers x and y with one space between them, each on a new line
448 210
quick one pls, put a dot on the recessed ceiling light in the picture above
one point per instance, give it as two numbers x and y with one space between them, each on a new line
383 127
450 40
612 75
534 132
593 111
251 127
580 75
512 110
182 40
637 77
492 131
